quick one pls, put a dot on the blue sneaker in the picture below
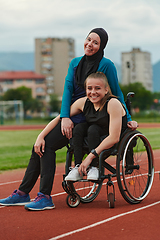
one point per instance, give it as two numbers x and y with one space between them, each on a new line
15 199
41 202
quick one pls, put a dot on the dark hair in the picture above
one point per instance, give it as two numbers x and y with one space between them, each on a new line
102 76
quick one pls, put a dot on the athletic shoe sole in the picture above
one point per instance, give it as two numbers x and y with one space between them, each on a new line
38 209
93 179
73 180
14 204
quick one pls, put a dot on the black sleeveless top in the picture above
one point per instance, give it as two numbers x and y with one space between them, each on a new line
101 118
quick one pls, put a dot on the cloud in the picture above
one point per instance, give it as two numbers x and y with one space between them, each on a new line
129 23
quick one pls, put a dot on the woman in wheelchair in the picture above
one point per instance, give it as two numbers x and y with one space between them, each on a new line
105 115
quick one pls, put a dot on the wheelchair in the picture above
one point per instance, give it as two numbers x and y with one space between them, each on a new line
134 171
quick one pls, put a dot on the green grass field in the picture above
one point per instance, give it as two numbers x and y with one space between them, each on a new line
16 146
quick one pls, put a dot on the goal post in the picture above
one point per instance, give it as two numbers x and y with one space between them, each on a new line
11 111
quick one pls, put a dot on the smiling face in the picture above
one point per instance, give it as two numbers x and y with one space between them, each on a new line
95 90
92 44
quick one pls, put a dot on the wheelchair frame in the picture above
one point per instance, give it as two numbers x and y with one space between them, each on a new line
134 172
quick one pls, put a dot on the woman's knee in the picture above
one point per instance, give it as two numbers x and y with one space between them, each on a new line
94 130
79 129
55 140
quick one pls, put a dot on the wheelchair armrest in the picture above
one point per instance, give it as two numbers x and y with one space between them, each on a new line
108 152
125 132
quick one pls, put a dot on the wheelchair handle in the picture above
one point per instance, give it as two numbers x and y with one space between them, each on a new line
130 94
128 102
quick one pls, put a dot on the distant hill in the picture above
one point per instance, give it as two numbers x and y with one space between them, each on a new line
118 67
17 61
156 77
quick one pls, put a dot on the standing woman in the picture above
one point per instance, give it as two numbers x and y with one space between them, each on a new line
42 161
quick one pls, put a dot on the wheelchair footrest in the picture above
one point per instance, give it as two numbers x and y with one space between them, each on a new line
67 188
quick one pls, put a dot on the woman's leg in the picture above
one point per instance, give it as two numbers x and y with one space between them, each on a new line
94 134
79 132
44 166
31 174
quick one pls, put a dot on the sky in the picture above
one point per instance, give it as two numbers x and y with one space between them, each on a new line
130 24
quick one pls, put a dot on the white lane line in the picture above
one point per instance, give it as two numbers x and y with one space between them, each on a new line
61 193
2 206
5 183
1 184
103 221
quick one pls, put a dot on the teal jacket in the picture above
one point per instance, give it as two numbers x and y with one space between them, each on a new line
107 67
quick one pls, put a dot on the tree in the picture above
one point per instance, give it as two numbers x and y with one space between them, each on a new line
36 105
156 100
143 98
23 93
54 103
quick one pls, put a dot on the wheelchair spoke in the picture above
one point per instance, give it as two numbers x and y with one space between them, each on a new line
87 190
136 167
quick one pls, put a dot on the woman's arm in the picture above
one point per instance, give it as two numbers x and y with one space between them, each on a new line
40 142
109 69
39 145
77 106
67 124
115 111
67 92
68 89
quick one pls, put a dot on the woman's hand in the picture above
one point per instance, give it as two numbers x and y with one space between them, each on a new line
66 127
133 125
39 146
82 168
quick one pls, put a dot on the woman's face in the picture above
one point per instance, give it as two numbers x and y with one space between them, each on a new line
95 90
92 44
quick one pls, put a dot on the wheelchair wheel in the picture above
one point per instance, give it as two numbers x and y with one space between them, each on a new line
135 170
111 200
73 200
87 190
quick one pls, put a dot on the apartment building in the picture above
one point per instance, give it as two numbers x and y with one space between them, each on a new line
29 79
136 67
52 58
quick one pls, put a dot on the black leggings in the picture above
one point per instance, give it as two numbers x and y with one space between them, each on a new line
44 166
93 134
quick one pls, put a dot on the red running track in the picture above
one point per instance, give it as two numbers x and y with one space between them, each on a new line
88 221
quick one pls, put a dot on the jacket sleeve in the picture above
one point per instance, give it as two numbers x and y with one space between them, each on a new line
111 74
68 91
